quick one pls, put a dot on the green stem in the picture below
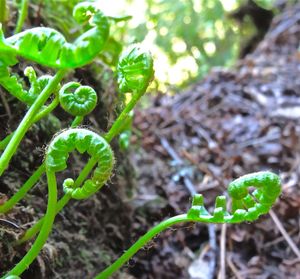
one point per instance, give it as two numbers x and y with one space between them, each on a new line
22 16
3 11
8 205
118 124
27 120
85 172
5 141
45 111
45 230
77 121
142 241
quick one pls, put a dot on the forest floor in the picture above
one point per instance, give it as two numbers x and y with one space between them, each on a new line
233 122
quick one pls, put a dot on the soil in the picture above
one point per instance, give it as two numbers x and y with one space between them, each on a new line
231 123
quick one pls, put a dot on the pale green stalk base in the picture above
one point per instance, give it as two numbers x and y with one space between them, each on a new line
27 120
142 242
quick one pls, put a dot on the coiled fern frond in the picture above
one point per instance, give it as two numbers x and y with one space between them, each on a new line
48 47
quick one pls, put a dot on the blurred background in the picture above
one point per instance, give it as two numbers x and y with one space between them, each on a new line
186 37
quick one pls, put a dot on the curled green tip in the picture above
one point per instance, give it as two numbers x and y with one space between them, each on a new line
83 12
68 185
267 184
76 99
135 69
246 206
124 140
30 73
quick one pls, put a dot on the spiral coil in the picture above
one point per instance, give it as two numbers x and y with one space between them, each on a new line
135 69
48 47
83 141
76 99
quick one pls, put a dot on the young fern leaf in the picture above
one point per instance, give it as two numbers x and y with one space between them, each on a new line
245 207
135 69
76 99
268 189
48 47
135 72
37 85
84 141
12 85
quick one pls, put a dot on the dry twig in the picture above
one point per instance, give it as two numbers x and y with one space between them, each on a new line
284 233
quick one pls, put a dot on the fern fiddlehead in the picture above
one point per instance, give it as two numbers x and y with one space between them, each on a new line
85 103
48 47
260 201
84 141
135 69
135 72
249 208
57 154
11 84
76 99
